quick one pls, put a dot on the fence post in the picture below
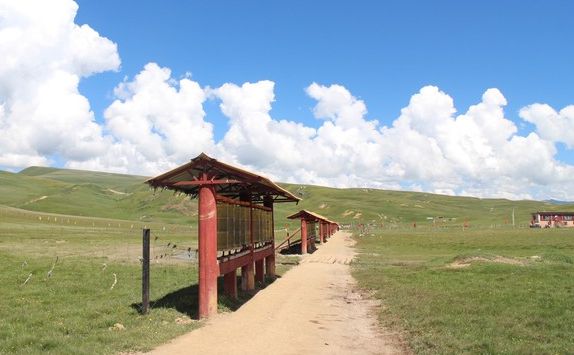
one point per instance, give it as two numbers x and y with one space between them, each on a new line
303 236
145 271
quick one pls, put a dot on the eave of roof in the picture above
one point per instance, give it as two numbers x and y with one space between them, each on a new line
313 215
231 180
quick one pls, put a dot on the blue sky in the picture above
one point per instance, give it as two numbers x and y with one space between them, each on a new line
382 51
290 89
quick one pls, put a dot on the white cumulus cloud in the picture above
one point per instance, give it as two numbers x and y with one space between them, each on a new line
253 137
550 124
43 56
155 123
478 152
290 151
428 146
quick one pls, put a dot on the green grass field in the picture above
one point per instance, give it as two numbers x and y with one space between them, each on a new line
68 280
83 227
476 291
105 195
74 311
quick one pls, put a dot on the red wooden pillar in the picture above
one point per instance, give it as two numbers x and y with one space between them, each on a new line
208 268
303 236
270 260
247 277
321 232
247 271
259 271
270 265
313 239
230 284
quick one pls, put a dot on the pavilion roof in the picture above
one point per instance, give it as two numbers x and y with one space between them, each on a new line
308 215
228 181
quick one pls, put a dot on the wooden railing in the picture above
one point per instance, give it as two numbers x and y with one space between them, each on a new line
288 240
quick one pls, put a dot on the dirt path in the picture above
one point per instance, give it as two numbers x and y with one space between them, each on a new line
313 309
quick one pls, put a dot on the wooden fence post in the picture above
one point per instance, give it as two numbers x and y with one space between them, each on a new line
145 271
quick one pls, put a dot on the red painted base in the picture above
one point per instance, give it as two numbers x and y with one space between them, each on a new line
247 277
259 271
230 284
270 266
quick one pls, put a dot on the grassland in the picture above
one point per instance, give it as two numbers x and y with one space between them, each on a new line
475 291
70 283
75 311
90 194
82 227
67 280
96 194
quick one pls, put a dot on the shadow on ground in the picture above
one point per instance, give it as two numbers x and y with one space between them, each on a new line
295 249
185 300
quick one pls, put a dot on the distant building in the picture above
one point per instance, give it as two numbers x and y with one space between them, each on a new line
552 219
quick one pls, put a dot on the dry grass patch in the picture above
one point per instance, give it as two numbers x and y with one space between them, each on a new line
467 261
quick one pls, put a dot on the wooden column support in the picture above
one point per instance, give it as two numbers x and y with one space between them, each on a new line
259 271
312 242
303 236
208 268
270 259
247 278
270 266
230 284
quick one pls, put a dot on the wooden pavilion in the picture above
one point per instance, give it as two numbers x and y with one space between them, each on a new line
308 222
236 225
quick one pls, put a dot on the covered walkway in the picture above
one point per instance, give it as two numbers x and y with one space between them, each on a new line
313 309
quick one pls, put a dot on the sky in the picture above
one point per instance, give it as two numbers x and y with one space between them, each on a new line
470 98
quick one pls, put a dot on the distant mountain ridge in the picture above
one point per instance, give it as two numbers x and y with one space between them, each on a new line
558 202
109 195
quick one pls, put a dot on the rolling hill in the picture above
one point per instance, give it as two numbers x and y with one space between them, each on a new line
94 194
107 195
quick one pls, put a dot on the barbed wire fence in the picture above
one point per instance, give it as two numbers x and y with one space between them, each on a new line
113 248
108 241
